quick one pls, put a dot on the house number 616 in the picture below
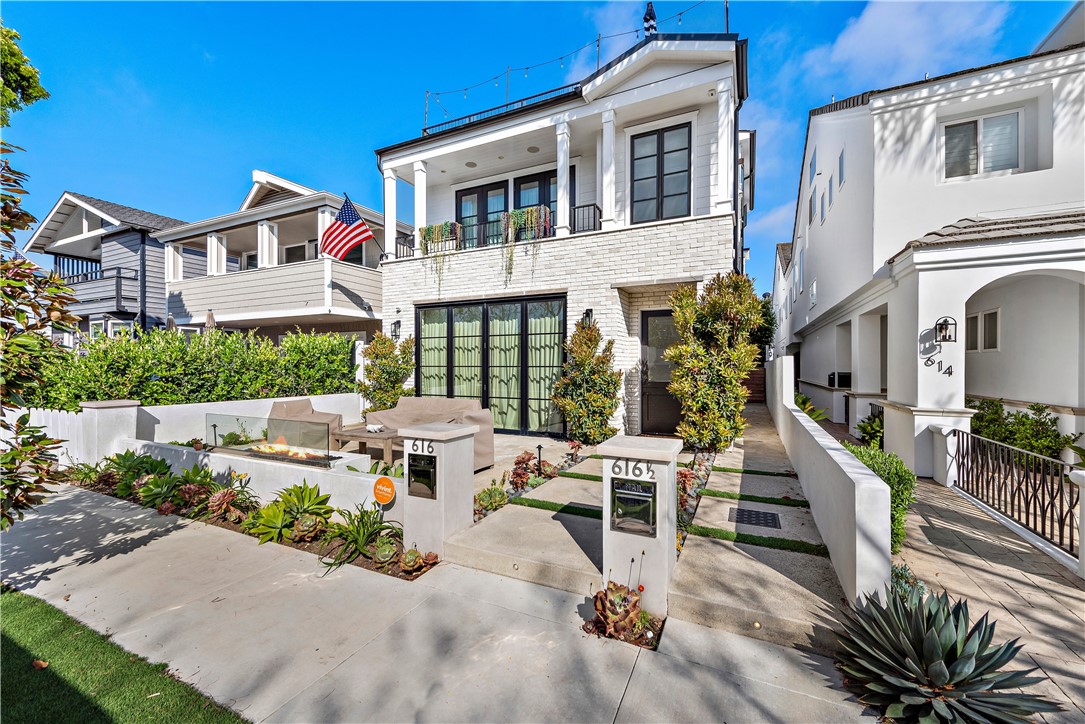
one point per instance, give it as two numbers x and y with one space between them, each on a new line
623 468
422 446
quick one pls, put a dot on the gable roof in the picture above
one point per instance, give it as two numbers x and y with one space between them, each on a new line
117 216
1013 228
783 253
128 214
267 188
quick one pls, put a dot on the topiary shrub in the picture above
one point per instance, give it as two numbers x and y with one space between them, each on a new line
387 367
901 481
587 393
712 358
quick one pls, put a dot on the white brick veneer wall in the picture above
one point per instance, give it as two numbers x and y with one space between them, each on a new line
617 274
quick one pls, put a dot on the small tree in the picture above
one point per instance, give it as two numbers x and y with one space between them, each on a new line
587 393
712 358
387 367
21 80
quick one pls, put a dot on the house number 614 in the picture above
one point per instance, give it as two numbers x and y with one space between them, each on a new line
642 469
931 362
422 446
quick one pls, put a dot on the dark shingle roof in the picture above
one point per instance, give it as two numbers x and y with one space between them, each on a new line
977 229
128 215
784 252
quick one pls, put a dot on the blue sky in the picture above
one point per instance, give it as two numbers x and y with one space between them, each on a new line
169 107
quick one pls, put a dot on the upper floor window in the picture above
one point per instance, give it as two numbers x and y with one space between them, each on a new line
982 145
802 269
830 192
823 207
813 206
812 172
840 169
660 174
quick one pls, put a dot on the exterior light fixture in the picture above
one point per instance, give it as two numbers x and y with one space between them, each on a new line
395 330
945 330
588 316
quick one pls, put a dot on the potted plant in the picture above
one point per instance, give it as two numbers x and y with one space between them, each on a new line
196 443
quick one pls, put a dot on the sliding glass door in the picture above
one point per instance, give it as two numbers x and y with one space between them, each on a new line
506 353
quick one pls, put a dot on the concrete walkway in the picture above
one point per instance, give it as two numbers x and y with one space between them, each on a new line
259 629
955 546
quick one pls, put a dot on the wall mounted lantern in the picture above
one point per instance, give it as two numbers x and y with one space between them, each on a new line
395 330
588 316
945 330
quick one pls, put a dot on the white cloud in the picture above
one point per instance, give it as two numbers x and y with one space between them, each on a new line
768 228
897 42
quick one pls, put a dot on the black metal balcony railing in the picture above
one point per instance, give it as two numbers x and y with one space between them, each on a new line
1032 490
107 273
570 90
404 247
68 266
525 224
586 217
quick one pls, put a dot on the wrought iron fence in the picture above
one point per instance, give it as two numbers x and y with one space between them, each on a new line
404 247
587 217
451 236
1032 490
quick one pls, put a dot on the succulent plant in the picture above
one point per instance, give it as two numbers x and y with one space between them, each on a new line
272 523
491 497
308 527
154 490
192 494
299 500
108 478
410 561
920 659
220 502
166 508
618 608
384 552
431 559
360 529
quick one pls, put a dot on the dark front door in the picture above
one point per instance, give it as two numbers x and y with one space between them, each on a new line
660 412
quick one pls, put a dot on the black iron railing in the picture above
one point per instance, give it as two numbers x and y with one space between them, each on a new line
1032 490
520 225
587 217
570 89
404 247
69 266
107 273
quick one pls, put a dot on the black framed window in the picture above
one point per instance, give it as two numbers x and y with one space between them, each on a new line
660 174
506 353
541 189
479 210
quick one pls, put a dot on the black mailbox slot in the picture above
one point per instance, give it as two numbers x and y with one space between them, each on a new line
633 506
422 476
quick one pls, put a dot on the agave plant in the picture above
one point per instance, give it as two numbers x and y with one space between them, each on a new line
359 530
304 499
159 489
384 552
197 475
272 523
307 527
410 561
921 660
617 608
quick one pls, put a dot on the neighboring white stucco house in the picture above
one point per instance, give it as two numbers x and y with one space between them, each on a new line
632 182
958 199
260 267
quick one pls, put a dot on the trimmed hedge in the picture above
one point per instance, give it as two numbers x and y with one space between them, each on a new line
159 367
901 481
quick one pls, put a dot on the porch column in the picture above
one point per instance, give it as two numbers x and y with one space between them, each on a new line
419 209
325 215
216 254
390 205
607 202
175 263
267 244
561 224
866 369
725 147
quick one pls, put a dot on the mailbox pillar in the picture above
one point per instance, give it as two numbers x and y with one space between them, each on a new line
640 515
440 480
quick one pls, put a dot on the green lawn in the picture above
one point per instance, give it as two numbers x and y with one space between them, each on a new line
89 678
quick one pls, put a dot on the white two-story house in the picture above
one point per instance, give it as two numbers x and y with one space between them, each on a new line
260 267
938 251
597 199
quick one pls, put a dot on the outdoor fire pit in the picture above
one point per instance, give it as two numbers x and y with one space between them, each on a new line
292 441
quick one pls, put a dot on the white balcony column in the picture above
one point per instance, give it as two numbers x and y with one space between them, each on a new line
325 215
725 147
390 207
561 224
175 263
420 200
608 202
267 244
216 254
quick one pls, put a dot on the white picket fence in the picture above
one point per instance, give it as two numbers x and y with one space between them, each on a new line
69 427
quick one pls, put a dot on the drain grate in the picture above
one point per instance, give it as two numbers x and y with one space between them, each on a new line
745 516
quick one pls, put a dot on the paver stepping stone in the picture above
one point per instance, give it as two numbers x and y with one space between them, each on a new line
570 490
795 523
771 486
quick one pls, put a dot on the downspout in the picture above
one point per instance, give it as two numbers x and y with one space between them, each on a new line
742 92
143 279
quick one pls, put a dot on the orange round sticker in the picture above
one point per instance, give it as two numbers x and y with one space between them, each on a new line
384 491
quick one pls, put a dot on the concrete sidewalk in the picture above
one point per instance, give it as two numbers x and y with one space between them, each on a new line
259 629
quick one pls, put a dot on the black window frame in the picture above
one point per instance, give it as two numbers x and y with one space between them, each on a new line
483 191
659 176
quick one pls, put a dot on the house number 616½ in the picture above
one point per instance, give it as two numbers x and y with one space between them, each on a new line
422 446
639 469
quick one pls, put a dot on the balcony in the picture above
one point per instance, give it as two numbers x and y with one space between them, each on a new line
102 291
323 290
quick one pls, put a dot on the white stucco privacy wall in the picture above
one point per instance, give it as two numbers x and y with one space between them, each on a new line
850 504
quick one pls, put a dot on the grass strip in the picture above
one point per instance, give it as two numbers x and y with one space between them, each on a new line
792 502
783 544
88 677
580 476
568 508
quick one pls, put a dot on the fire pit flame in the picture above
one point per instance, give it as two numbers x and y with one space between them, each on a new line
277 448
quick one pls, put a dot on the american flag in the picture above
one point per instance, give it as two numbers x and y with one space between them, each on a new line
346 232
